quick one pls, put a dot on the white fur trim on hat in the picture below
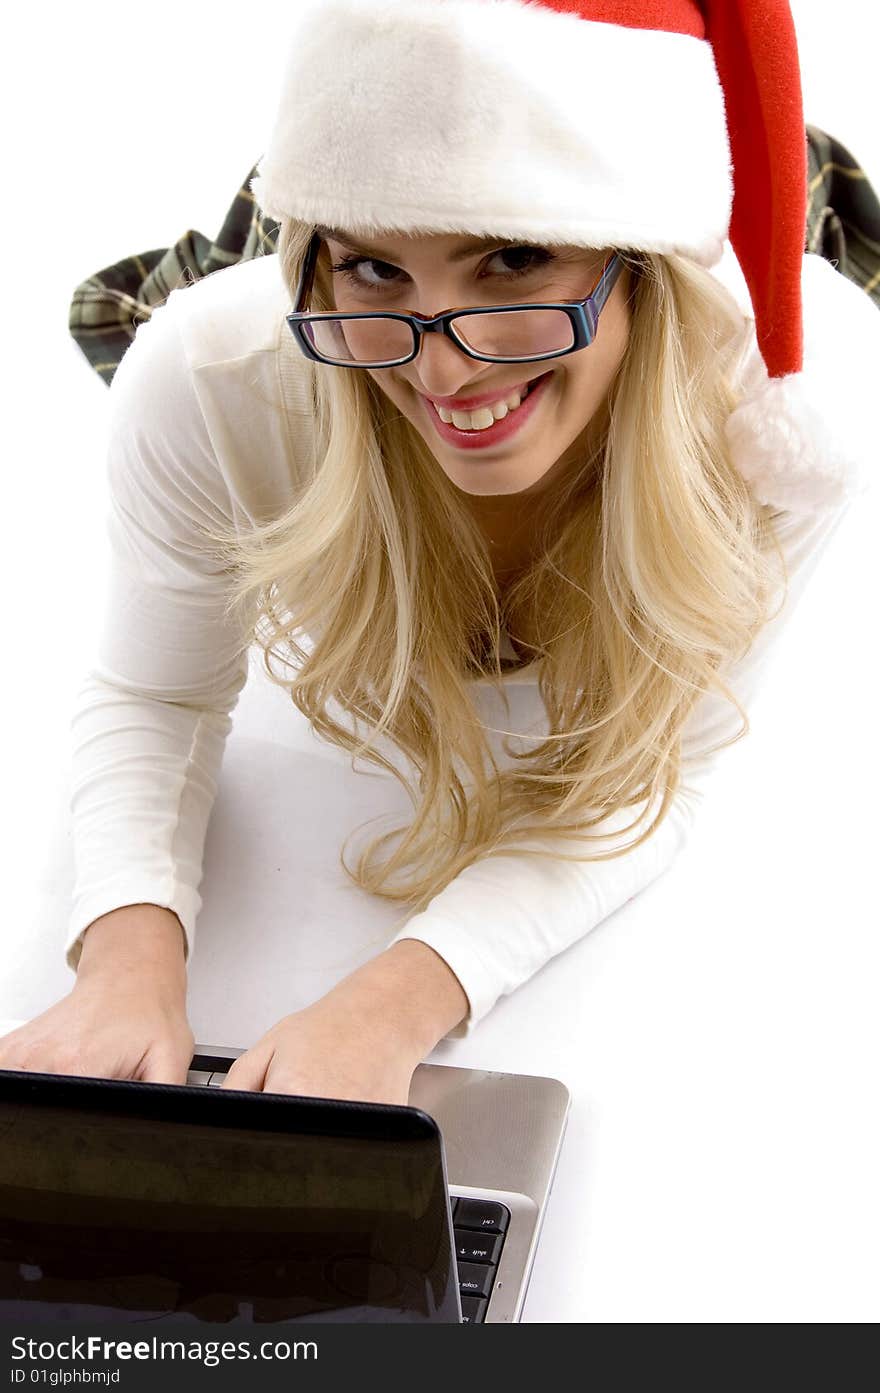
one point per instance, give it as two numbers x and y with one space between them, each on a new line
810 439
500 118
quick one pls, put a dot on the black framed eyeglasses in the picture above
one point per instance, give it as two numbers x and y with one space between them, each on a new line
524 333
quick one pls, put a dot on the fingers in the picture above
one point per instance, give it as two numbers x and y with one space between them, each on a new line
165 1067
248 1071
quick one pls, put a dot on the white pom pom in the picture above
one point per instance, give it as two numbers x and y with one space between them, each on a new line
812 439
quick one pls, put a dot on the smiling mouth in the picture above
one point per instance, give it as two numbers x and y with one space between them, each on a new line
489 424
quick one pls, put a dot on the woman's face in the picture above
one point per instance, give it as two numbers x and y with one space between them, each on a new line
432 273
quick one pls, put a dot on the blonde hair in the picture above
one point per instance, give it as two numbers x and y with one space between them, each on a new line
651 575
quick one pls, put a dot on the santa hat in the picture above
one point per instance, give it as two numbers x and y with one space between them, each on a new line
655 125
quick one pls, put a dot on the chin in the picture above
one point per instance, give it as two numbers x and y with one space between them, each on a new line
485 482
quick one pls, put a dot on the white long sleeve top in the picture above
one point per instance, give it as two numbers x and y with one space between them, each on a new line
194 439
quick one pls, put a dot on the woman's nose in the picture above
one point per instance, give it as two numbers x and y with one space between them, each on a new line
444 369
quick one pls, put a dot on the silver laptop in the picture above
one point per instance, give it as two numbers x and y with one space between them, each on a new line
128 1201
502 1135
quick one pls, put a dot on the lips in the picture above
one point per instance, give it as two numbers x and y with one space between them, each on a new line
476 443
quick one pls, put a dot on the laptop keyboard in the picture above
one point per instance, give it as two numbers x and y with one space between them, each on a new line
480 1229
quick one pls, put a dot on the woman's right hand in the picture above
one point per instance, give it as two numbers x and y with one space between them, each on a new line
125 1016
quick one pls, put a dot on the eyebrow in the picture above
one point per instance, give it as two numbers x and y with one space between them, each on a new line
466 250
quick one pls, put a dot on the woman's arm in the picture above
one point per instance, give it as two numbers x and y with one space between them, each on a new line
137 937
410 987
153 713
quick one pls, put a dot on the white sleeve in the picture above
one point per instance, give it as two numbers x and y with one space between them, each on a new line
504 917
150 721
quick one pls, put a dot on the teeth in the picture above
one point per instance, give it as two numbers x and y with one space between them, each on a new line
486 416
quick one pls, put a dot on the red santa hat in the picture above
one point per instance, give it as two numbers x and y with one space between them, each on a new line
656 125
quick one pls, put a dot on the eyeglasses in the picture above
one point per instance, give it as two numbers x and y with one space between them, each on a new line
493 334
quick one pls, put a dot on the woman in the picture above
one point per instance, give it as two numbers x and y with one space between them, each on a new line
622 540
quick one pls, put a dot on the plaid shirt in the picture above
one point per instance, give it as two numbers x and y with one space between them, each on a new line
843 225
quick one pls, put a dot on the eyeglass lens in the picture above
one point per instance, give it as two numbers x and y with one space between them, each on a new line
512 334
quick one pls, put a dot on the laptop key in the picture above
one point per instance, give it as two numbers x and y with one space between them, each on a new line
487 1215
475 1278
471 1246
200 1077
473 1309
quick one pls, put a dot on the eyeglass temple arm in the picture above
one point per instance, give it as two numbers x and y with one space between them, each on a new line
607 282
307 275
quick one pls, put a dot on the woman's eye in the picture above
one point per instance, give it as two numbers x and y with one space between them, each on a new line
349 267
525 259
535 257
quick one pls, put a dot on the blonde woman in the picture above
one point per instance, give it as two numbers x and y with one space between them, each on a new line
487 421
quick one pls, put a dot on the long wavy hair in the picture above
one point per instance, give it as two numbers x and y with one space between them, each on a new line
375 595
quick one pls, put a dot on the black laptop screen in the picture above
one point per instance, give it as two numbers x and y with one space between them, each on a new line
130 1202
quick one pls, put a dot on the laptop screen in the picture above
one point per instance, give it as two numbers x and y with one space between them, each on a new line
129 1201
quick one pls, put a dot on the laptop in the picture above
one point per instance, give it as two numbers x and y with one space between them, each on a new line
130 1201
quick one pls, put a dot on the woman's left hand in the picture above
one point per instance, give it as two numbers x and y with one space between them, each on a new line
364 1039
325 1052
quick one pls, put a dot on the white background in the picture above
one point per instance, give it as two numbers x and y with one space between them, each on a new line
723 1148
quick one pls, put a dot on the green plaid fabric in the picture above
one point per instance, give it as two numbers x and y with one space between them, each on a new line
843 225
843 212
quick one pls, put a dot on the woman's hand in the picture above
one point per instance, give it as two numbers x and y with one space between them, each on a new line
125 1016
115 1030
364 1039
322 1052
